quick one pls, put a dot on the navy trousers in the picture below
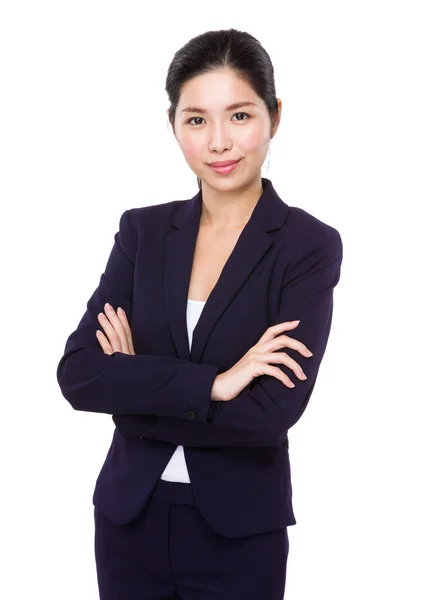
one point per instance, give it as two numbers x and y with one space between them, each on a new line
170 552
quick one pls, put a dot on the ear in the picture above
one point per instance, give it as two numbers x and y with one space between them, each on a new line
278 119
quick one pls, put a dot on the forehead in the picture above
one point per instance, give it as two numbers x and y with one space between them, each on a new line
217 91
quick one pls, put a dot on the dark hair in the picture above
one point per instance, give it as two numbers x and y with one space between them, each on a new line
225 48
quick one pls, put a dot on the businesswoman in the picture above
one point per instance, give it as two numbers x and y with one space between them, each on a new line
203 340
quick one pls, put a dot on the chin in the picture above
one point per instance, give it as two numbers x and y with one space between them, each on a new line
224 184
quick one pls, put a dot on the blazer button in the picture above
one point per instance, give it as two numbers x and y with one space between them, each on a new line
190 415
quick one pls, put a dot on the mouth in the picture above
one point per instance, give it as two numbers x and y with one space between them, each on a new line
226 166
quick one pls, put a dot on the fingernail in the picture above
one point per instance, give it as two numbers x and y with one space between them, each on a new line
120 312
296 321
108 306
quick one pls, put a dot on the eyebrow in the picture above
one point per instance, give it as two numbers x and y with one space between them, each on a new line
202 111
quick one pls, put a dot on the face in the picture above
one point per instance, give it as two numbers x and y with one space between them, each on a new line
209 130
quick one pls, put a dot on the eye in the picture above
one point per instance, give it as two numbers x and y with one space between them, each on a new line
192 119
242 113
239 113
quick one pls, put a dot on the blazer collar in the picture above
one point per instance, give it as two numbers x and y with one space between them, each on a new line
269 214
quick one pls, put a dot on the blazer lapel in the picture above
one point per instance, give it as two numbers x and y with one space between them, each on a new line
269 214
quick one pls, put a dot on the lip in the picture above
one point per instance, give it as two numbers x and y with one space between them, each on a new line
223 163
224 167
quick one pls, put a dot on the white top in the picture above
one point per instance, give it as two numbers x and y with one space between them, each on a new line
176 469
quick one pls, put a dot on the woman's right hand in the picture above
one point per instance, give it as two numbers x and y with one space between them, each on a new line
254 363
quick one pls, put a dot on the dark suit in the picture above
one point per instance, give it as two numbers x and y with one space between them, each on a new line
284 266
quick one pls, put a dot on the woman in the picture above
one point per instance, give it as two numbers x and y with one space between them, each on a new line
194 497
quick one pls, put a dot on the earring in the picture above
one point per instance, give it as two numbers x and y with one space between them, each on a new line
269 154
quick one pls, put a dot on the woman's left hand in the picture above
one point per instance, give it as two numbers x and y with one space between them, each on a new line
118 336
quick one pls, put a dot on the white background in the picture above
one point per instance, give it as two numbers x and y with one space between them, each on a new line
84 136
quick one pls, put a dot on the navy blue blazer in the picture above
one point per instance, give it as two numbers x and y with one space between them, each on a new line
284 266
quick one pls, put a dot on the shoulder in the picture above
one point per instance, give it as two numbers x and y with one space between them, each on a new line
306 233
141 222
153 214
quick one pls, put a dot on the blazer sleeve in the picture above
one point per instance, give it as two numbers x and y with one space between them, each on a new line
266 409
121 383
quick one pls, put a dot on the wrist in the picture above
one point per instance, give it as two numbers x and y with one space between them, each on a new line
216 392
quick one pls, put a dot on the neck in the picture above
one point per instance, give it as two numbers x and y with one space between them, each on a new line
231 208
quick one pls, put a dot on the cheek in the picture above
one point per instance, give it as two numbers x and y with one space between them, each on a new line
190 148
254 141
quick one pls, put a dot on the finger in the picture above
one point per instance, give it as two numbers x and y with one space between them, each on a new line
103 341
124 320
285 341
284 359
112 335
271 332
278 374
118 327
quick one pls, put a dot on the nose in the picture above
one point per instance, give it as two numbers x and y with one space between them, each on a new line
219 139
